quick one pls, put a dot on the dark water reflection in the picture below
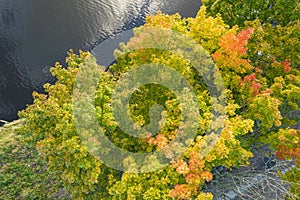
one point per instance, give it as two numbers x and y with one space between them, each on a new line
36 33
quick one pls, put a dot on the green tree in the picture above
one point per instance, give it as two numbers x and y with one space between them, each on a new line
275 12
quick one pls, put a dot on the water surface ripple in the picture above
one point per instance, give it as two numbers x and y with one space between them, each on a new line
34 34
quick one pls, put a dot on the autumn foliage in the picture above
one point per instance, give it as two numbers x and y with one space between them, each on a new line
260 97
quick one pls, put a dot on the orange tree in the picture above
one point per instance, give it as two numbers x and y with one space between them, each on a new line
255 105
274 49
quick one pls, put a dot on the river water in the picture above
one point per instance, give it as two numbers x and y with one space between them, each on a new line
34 34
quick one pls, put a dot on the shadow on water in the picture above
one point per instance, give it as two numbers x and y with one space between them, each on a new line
34 34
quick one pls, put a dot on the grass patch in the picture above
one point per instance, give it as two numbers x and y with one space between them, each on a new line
23 173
